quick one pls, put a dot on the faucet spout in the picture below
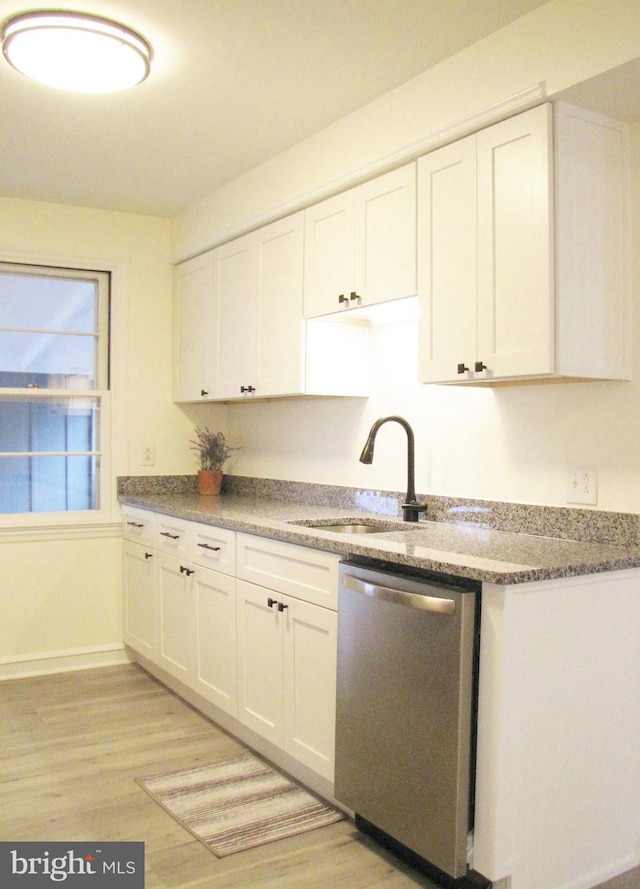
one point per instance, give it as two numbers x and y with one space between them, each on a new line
410 508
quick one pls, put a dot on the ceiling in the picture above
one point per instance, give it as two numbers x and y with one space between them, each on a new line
233 83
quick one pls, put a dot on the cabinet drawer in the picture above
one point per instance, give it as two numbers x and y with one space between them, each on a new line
172 535
138 525
299 571
213 547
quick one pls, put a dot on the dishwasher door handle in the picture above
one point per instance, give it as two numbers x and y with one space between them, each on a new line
399 597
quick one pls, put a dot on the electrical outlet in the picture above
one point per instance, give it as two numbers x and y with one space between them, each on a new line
148 455
583 485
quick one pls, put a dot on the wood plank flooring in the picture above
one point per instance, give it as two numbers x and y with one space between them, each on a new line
71 747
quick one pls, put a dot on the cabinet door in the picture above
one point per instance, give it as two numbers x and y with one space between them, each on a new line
237 311
280 322
447 251
194 327
260 667
592 269
310 646
328 255
385 237
140 623
175 617
216 674
515 242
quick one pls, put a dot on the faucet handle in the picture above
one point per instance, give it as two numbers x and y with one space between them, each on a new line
412 510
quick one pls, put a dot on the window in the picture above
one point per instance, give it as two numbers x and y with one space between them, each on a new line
53 388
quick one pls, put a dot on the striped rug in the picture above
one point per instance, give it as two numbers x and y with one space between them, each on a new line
238 803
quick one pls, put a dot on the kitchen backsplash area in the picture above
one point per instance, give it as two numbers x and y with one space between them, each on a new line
592 526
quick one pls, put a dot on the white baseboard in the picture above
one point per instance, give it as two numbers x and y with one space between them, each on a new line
63 661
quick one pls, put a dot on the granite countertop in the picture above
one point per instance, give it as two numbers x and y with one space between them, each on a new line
459 548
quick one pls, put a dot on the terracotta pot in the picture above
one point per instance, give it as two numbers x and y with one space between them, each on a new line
209 481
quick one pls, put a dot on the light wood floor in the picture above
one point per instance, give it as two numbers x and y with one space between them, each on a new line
71 747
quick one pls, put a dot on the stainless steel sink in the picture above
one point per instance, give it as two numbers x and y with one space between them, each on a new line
353 527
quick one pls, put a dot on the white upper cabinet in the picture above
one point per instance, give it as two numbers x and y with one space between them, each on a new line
329 276
236 298
593 244
522 251
360 246
279 354
240 330
194 323
515 247
259 347
447 258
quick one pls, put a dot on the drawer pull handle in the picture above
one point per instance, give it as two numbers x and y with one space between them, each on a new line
215 549
136 524
169 535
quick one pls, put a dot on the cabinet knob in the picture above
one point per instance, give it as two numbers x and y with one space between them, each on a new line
343 299
247 389
282 606
480 365
148 555
271 602
354 296
462 368
187 571
203 392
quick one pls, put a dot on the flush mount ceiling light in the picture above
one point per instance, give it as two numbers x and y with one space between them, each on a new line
75 51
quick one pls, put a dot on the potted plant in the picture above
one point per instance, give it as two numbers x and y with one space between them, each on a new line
213 451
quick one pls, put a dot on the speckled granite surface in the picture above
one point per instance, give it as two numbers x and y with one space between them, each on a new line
494 542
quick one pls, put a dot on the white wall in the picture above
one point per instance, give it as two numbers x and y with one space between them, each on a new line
513 444
509 444
558 45
65 595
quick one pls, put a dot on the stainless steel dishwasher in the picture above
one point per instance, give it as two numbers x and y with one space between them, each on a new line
406 703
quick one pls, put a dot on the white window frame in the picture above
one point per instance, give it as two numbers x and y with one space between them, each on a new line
112 425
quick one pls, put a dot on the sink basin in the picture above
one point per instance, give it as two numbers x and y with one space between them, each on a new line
353 527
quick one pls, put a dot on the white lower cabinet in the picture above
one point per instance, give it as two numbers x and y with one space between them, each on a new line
287 673
260 662
176 614
260 647
140 620
196 629
287 647
215 638
310 654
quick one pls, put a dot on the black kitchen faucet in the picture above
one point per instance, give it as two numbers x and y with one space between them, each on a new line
411 509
